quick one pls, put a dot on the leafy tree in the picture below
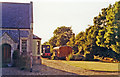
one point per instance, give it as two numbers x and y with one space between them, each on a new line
90 43
62 35
102 38
62 39
61 30
45 43
53 41
71 41
109 35
79 42
113 30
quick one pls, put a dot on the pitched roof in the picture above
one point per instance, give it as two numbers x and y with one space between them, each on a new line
14 34
8 35
16 15
36 37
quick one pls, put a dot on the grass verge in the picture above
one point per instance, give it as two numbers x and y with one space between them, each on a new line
96 66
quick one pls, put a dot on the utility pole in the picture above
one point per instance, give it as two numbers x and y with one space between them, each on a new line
31 37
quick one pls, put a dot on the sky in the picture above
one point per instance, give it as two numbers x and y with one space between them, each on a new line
50 14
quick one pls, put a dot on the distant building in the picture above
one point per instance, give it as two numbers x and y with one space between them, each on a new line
36 49
16 30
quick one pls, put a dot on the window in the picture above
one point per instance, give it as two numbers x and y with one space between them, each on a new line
38 47
24 46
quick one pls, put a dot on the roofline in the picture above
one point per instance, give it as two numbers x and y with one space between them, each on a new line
17 2
13 28
60 47
8 35
37 38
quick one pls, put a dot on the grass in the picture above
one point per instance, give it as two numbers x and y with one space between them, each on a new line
97 66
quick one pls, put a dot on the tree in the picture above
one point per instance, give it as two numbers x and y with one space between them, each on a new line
45 43
61 30
79 42
109 35
62 35
53 41
71 41
113 30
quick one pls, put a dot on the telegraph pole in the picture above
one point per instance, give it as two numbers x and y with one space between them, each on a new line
31 37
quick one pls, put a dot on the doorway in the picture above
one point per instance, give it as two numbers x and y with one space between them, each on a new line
6 53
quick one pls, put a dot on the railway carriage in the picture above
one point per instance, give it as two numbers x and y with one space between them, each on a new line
62 52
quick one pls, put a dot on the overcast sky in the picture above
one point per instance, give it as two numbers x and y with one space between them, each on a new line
50 14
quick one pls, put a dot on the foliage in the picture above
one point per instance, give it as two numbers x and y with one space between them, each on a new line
61 30
16 57
24 62
16 54
62 35
53 41
45 43
109 35
89 57
21 61
102 38
71 41
80 41
77 57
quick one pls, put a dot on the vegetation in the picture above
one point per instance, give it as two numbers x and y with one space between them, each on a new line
101 39
62 35
21 61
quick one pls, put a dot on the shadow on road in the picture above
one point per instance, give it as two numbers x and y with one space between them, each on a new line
37 70
44 71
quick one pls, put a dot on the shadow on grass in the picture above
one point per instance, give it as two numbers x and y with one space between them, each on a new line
106 71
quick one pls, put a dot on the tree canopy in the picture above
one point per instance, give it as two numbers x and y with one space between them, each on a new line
102 38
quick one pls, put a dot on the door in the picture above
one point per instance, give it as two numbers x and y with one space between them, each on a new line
6 53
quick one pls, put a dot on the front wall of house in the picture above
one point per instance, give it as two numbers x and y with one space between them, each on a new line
17 23
36 57
35 47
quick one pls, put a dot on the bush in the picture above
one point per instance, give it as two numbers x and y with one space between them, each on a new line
77 57
24 62
21 61
89 57
69 57
15 57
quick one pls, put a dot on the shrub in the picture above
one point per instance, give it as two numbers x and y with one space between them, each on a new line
15 57
21 61
89 57
77 57
69 57
24 62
